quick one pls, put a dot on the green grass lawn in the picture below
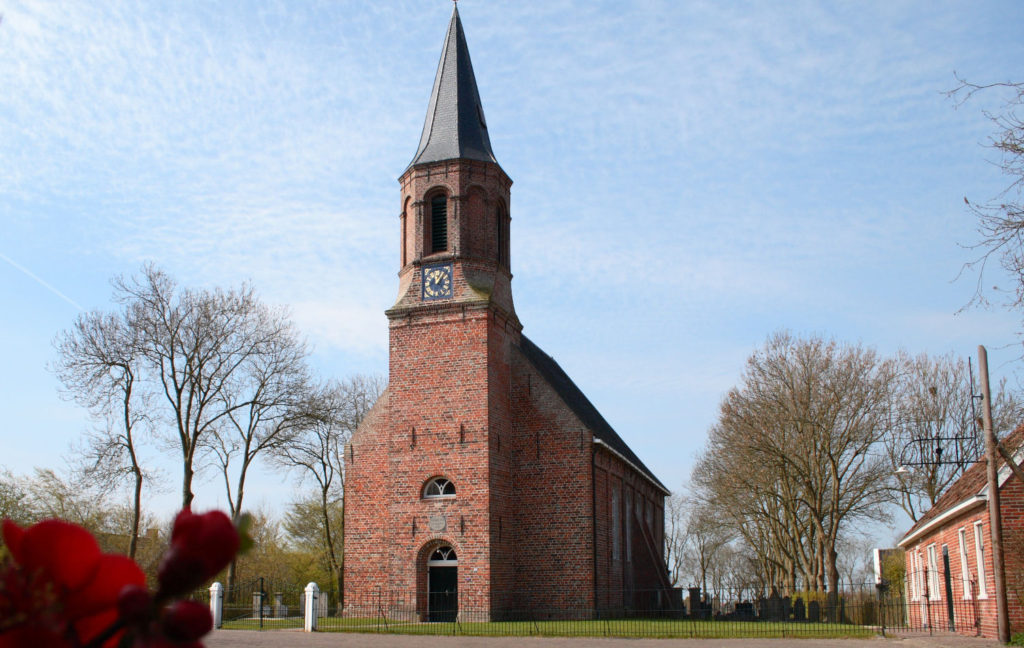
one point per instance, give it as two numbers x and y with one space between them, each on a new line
664 628
251 623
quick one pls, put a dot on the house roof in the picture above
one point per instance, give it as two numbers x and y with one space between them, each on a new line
968 488
583 408
455 126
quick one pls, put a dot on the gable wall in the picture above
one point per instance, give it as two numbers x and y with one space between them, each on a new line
969 607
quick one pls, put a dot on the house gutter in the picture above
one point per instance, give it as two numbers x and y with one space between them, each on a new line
944 517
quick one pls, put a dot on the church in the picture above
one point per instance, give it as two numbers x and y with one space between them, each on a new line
484 484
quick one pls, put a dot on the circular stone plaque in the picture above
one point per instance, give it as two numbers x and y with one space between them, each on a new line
437 523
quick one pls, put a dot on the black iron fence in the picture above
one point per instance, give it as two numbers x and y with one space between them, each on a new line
860 611
854 612
259 604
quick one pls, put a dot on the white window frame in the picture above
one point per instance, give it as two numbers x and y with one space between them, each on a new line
934 593
912 573
448 557
979 555
441 495
965 569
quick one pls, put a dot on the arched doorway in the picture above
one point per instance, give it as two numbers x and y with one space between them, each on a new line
442 584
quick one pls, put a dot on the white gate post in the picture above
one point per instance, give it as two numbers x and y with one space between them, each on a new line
217 604
312 594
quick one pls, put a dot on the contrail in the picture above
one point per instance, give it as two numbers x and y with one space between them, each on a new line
41 281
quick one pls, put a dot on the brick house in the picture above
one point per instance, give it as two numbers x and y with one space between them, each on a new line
948 553
483 482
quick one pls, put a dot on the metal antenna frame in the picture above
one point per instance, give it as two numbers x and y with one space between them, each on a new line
931 448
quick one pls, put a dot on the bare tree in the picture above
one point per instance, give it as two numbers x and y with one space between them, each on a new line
676 509
706 536
798 434
196 346
50 495
1001 219
14 500
855 559
933 435
761 502
271 386
99 365
331 414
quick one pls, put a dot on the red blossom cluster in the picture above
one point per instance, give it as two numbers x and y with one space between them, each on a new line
58 590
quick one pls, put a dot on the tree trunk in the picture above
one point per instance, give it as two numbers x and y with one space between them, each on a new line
186 486
237 511
831 560
136 509
232 569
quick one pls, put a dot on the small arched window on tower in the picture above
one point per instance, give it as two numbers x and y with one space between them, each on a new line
438 223
438 487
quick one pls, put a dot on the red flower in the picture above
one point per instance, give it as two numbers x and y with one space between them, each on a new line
57 585
201 546
57 590
187 621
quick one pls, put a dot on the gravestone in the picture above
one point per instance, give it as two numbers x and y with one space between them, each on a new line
280 609
814 611
695 606
745 610
773 607
799 613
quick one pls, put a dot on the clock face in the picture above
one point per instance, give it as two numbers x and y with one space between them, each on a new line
437 281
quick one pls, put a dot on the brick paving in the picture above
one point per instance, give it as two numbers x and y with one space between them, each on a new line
298 639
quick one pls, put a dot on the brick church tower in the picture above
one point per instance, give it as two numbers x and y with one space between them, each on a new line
483 481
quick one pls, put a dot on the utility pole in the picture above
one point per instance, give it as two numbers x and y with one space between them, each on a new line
994 511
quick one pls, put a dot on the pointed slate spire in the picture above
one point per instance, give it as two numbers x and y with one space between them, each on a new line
455 126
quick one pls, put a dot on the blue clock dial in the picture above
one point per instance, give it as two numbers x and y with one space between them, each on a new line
437 281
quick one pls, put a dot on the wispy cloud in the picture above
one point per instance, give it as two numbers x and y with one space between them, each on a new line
39 280
689 175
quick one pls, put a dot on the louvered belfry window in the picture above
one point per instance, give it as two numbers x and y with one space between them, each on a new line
438 224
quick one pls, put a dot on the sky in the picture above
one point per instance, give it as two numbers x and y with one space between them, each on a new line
690 177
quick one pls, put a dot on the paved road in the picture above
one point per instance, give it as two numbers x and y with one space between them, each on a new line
297 639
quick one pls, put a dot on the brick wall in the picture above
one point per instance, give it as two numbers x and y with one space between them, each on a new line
622 572
553 521
970 605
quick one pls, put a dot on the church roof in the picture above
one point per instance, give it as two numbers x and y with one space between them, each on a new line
582 407
455 126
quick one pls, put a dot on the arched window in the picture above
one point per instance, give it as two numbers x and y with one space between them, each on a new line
438 223
443 555
439 487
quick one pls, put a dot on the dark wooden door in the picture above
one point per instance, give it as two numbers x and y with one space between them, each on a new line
443 597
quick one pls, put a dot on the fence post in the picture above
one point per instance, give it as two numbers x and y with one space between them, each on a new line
880 587
217 604
311 600
262 594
